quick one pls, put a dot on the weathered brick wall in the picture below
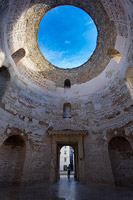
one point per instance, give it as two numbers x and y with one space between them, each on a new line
22 27
108 114
121 153
4 80
12 159
31 103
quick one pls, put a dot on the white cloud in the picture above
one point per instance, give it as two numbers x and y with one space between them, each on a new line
90 22
50 54
62 60
72 62
67 42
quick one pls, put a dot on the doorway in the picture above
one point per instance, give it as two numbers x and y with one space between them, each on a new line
67 156
74 147
66 160
67 138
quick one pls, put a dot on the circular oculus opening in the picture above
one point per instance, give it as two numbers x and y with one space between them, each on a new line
67 36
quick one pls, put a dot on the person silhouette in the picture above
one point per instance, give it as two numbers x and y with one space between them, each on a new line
68 171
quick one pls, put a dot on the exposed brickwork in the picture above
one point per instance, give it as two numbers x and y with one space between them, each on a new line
33 94
27 29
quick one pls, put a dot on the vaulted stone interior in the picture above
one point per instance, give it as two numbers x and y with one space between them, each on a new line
12 155
39 100
121 160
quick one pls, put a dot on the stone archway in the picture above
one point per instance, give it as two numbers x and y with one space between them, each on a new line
75 148
74 139
12 156
129 75
121 157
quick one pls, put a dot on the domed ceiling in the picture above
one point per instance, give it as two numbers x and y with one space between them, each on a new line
21 38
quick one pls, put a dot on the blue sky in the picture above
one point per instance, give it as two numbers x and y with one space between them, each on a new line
67 36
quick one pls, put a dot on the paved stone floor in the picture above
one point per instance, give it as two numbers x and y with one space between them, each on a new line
66 189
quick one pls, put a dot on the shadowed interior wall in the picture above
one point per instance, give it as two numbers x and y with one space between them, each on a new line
121 157
4 79
99 99
12 156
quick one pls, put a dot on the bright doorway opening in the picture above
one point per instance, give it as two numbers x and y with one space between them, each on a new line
67 161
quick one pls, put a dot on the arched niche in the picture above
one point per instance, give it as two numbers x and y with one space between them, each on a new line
129 76
67 110
67 83
18 55
121 158
4 79
72 138
113 53
12 156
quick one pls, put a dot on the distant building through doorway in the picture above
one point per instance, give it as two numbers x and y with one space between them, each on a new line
66 159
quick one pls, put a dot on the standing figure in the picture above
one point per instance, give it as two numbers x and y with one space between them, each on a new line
68 171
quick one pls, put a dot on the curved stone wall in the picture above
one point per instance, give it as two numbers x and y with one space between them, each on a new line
101 93
21 32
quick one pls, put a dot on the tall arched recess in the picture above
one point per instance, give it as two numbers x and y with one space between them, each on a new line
121 157
129 77
4 80
18 55
12 156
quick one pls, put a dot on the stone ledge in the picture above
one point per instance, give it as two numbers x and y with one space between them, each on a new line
67 132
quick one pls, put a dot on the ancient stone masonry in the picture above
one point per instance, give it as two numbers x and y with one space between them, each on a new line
21 25
117 15
37 98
